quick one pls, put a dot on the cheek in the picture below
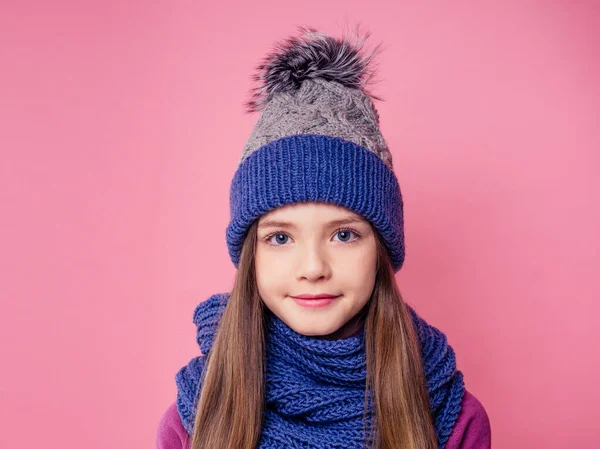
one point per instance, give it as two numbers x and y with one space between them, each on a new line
267 262
356 271
357 261
360 281
270 273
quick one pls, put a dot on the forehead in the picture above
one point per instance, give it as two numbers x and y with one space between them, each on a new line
310 213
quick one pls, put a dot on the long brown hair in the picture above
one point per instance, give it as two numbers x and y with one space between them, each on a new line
231 402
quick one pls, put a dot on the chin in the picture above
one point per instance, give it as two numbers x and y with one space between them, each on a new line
312 330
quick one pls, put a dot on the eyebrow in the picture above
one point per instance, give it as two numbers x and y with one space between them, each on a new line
282 224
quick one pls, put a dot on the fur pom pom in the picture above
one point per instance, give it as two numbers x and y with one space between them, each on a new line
312 55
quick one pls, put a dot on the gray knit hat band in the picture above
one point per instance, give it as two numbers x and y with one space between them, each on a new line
321 107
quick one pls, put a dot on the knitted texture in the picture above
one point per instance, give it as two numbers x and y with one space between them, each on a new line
315 388
321 107
316 168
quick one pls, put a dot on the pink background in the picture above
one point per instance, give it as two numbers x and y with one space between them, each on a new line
121 125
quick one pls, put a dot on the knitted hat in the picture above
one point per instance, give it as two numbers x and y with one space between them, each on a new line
317 140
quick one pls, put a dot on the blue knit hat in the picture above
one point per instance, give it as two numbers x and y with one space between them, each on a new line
317 140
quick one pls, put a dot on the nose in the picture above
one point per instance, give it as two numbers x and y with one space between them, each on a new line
313 264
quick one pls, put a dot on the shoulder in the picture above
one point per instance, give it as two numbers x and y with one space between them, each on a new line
472 429
171 434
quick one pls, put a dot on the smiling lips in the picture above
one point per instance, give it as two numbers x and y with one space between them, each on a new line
320 300
317 296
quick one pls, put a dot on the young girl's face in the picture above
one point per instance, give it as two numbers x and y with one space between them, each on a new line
304 249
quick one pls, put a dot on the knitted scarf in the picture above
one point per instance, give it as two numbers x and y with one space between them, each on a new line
315 387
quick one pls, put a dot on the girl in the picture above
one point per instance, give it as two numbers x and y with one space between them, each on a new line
314 347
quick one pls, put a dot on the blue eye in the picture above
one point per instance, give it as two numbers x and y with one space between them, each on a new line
281 237
346 232
278 234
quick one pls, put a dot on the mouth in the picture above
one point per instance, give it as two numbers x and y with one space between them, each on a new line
314 301
317 296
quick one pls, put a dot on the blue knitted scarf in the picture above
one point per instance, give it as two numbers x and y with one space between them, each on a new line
315 387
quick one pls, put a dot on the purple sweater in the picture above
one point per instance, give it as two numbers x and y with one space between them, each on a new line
471 431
